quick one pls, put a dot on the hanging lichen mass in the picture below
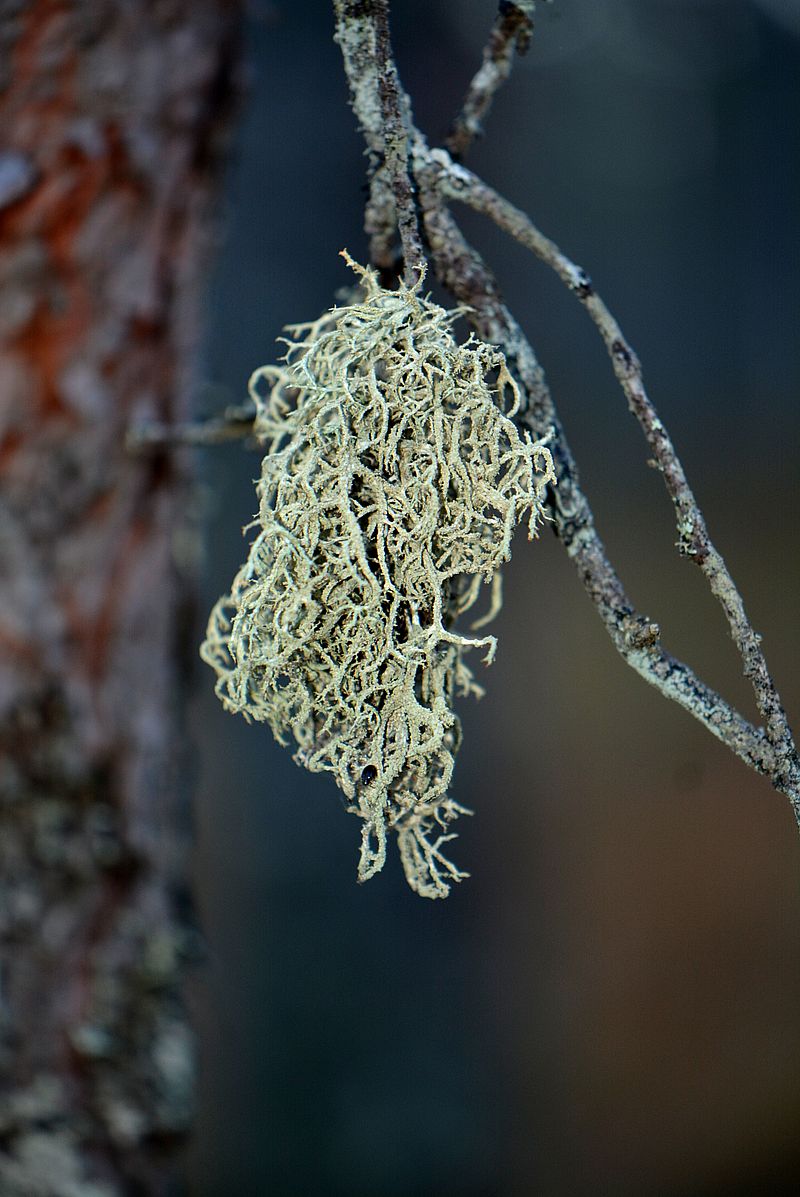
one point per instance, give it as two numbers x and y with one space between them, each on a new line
390 487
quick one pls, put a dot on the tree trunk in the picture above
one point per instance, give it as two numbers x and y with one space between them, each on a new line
112 115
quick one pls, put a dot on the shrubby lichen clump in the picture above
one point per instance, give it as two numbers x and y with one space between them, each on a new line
392 481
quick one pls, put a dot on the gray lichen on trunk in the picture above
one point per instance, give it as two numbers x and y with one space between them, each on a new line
113 118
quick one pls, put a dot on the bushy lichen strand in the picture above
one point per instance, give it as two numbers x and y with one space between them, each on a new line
390 488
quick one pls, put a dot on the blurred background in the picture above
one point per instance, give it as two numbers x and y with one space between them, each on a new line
610 1003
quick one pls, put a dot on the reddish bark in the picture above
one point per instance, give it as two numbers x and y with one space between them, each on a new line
112 117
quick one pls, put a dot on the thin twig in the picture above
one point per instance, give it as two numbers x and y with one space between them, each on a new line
511 32
235 423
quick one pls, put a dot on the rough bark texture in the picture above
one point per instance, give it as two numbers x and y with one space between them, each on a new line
111 114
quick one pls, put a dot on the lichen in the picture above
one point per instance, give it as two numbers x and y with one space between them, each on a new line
391 484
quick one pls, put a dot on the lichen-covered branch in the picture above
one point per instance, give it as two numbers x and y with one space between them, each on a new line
396 149
384 114
694 541
769 750
634 635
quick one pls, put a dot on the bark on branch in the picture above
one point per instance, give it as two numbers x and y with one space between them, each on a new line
510 34
439 181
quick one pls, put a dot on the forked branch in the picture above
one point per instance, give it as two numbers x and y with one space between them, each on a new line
435 179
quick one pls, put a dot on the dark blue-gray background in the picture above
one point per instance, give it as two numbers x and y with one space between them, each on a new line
611 1003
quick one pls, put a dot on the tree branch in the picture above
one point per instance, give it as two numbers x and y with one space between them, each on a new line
633 634
510 34
384 113
236 423
694 541
463 272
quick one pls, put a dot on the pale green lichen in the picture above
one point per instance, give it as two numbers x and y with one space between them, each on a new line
390 488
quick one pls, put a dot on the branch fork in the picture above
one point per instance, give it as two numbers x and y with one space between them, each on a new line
412 188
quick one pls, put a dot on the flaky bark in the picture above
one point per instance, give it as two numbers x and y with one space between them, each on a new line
111 115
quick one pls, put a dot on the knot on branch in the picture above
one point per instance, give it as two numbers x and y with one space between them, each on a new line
640 633
625 360
581 284
693 542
